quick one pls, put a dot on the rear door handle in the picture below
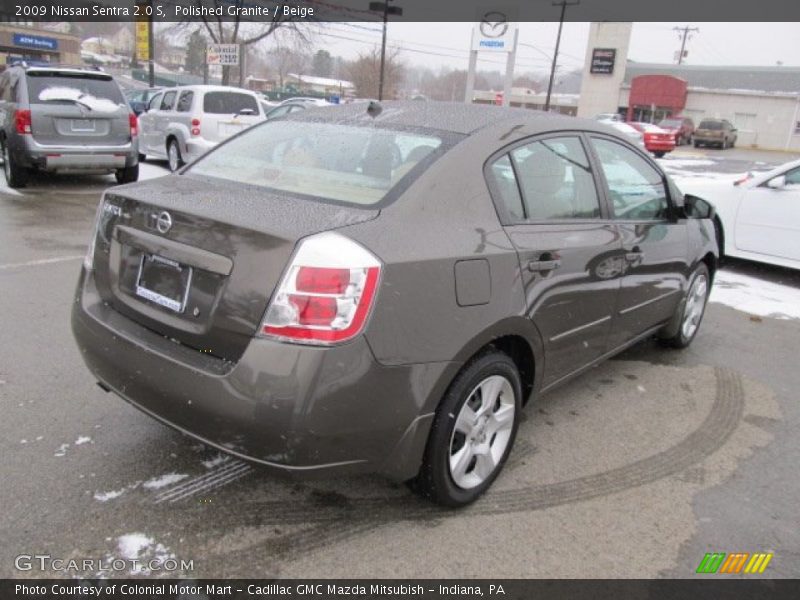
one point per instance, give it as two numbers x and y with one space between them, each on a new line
543 265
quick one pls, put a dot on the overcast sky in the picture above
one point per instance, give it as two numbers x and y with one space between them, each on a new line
447 44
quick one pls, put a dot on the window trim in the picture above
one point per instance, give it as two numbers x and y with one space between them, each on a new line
671 206
496 196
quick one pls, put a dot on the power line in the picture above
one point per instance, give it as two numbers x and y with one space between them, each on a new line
683 33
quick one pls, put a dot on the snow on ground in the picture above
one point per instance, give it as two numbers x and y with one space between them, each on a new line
163 481
140 547
84 439
756 296
106 496
216 461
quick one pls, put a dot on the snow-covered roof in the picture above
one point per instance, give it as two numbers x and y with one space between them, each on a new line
323 81
735 79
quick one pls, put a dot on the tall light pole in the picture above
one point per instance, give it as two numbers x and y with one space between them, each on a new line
563 4
383 7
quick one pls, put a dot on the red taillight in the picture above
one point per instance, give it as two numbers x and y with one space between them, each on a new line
22 118
134 124
195 126
326 294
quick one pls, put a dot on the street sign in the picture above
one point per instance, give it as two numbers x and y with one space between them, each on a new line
494 34
142 41
222 54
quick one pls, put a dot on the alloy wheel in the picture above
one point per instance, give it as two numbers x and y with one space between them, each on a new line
174 157
695 305
482 432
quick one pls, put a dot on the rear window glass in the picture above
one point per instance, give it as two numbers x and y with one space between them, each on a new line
96 93
341 163
671 123
711 125
230 103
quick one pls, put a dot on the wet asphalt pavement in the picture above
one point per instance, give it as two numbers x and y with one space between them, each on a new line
634 469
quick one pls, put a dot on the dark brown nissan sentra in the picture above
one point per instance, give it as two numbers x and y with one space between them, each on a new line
383 288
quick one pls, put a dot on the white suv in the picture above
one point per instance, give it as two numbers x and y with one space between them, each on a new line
182 123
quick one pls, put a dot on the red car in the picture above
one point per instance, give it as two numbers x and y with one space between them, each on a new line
656 140
681 127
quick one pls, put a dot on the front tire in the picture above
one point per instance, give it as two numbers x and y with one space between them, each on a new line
659 154
174 158
17 176
690 311
473 431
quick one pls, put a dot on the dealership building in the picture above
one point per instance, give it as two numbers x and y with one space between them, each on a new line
763 103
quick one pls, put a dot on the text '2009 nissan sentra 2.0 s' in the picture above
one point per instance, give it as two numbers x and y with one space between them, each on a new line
382 288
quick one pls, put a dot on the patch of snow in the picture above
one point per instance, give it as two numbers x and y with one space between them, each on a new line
641 388
164 480
39 438
139 547
23 441
106 496
84 439
62 450
756 296
75 95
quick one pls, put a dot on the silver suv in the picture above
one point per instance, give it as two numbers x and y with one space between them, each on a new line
65 119
183 123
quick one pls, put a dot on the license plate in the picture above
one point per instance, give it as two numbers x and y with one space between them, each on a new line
82 125
163 281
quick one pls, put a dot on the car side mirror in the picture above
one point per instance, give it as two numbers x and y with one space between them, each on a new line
698 208
777 183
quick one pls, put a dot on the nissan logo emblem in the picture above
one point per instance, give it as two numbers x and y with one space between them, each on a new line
494 25
163 222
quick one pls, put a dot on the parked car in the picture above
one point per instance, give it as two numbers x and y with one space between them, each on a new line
65 118
656 140
634 135
183 123
609 117
292 105
757 218
718 132
681 127
139 99
389 306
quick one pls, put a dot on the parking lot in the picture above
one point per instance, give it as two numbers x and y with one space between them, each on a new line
634 469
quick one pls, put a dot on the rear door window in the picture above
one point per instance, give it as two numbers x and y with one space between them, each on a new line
169 100
155 101
228 103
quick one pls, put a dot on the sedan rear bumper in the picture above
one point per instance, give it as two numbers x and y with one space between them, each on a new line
300 410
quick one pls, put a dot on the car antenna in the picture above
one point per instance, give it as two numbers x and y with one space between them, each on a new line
374 108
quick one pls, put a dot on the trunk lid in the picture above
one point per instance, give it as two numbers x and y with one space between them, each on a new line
215 266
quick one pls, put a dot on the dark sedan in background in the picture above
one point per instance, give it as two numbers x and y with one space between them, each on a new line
382 288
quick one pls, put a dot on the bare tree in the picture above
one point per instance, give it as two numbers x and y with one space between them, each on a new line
364 72
234 32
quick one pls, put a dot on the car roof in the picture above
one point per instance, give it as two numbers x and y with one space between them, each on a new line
70 70
211 88
455 117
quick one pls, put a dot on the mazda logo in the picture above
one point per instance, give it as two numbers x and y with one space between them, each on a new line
163 222
494 25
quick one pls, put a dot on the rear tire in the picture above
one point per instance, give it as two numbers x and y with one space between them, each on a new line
697 144
659 154
17 176
174 158
142 157
128 174
473 431
691 309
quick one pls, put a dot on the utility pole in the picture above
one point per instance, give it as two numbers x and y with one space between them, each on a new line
383 7
563 4
683 34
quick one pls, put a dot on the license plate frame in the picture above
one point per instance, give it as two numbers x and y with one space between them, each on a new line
175 302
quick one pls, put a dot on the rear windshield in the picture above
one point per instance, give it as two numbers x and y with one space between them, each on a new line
338 163
228 103
711 125
94 92
671 123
